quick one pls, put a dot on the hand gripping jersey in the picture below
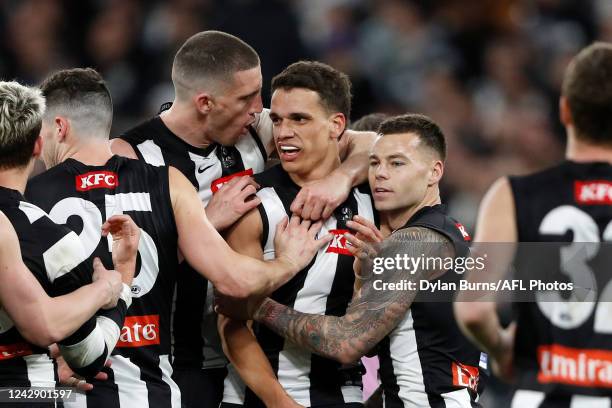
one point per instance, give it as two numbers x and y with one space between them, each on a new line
563 350
82 197
196 342
55 256
426 361
325 286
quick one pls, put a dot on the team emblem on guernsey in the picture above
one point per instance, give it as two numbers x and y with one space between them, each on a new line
227 157
338 243
346 214
96 179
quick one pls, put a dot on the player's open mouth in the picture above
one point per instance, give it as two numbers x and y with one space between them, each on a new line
381 192
288 152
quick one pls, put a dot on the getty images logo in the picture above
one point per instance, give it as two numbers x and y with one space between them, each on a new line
96 179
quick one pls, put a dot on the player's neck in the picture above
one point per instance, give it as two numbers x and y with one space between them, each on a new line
398 218
91 152
16 178
185 125
581 151
322 170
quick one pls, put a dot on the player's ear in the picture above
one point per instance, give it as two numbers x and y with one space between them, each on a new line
437 171
337 124
565 113
203 102
62 127
38 146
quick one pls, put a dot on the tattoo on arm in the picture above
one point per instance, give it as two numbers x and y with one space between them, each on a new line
371 315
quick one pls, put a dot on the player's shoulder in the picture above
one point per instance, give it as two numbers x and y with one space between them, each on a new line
42 181
148 129
550 173
363 188
272 177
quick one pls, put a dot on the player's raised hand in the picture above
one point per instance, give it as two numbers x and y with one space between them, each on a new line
296 241
233 199
126 236
317 200
362 242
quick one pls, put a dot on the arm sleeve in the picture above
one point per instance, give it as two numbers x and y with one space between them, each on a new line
87 349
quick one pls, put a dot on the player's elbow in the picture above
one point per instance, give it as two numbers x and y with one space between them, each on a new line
41 336
348 355
233 289
470 315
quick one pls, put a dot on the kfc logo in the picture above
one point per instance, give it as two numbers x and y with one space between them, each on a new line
96 179
465 376
463 231
139 331
9 351
593 192
338 244
218 183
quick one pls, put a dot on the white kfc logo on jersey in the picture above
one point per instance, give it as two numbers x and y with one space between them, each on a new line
96 179
339 242
598 192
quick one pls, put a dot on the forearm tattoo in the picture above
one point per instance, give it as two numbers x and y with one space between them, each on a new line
372 313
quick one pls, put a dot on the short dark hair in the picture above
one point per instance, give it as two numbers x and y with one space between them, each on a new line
81 94
370 122
587 85
21 112
428 131
333 86
211 55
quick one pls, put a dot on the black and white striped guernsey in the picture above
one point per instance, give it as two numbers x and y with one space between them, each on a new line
82 197
426 361
56 257
196 342
563 349
325 286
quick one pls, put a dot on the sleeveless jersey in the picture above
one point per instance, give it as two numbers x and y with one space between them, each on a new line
82 197
196 341
563 350
325 286
426 361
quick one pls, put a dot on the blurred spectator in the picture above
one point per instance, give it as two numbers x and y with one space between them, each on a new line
489 71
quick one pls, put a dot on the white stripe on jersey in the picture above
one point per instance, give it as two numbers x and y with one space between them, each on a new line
133 391
457 399
407 369
151 153
587 401
233 387
41 372
533 399
527 399
166 369
65 255
294 363
31 211
206 170
250 154
275 212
